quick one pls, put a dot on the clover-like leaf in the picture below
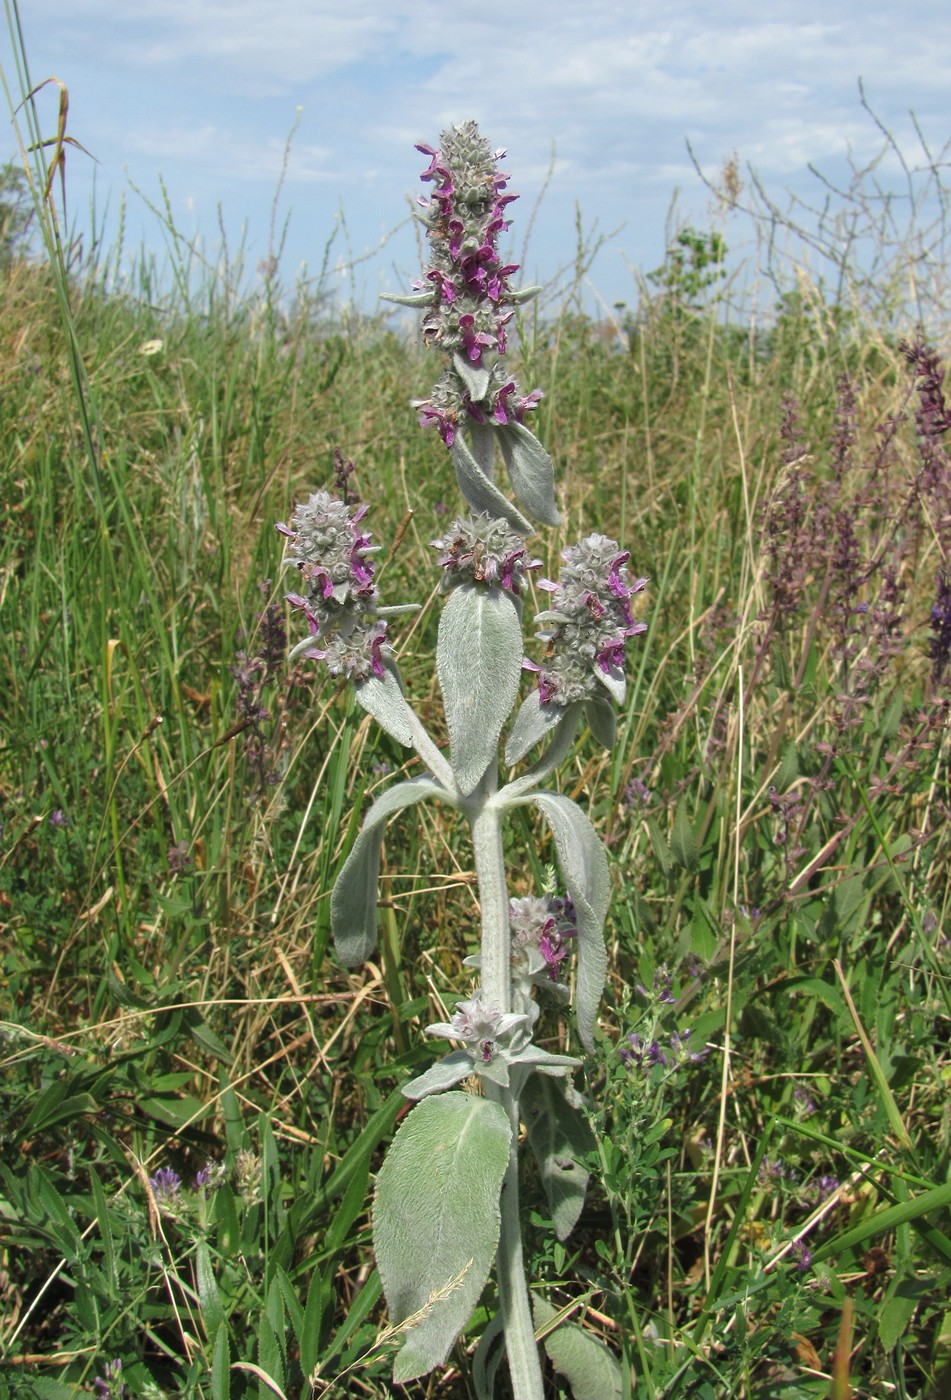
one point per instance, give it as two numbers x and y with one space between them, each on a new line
585 868
479 663
436 1221
353 903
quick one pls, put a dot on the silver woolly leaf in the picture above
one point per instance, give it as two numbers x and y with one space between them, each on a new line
601 721
479 664
584 866
444 1074
383 698
481 493
436 1221
353 903
559 1136
533 721
613 680
587 1365
532 472
475 378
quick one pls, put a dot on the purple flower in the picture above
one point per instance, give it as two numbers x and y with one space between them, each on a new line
58 819
165 1184
332 552
484 549
803 1102
431 417
110 1385
681 1050
637 794
542 929
940 648
589 623
662 985
483 1028
802 1255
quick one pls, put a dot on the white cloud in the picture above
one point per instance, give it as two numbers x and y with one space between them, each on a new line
205 90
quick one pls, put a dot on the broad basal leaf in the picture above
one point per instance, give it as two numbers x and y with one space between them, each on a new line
354 899
479 664
436 1221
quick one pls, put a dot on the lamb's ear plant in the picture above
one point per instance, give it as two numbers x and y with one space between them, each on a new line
446 1210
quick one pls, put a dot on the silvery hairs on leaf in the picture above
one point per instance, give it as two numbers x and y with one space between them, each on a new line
353 903
585 868
436 1221
479 664
468 306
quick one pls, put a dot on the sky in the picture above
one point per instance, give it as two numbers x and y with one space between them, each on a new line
596 104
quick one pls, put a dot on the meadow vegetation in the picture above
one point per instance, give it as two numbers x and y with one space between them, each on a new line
194 1095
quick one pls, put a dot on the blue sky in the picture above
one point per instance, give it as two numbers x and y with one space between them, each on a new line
602 96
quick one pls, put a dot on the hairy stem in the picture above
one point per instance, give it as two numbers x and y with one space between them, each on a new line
486 819
493 893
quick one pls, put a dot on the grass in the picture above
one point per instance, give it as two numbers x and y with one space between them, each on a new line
770 1218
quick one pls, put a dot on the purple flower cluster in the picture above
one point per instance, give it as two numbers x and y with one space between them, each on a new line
940 648
483 1028
541 929
330 549
589 622
645 1055
165 1184
110 1385
662 988
484 549
465 289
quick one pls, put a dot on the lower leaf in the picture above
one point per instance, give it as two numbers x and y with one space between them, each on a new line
436 1221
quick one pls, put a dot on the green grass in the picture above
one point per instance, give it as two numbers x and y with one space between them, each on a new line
174 812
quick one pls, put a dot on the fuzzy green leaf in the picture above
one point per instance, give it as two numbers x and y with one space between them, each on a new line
209 1299
532 472
480 492
587 1365
479 664
559 1136
353 902
436 1221
585 868
221 1365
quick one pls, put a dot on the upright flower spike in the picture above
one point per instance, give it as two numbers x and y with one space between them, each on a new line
588 624
446 1209
330 548
468 303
